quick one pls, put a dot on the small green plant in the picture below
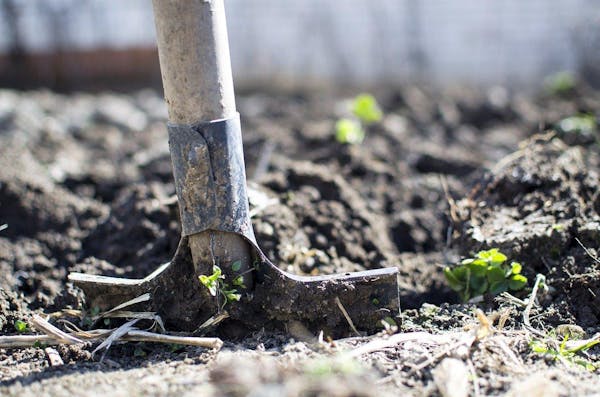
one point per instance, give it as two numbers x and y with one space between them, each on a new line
20 326
39 344
560 83
568 353
486 272
583 123
349 131
215 283
365 111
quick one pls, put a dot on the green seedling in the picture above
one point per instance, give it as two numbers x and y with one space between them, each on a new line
560 83
349 131
215 284
39 344
564 352
390 321
20 326
583 123
486 273
236 266
213 281
239 281
365 111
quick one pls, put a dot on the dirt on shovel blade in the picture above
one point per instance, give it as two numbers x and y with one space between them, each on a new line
86 186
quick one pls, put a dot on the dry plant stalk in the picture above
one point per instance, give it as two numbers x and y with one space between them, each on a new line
54 336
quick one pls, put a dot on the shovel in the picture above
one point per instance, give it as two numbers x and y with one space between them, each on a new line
218 246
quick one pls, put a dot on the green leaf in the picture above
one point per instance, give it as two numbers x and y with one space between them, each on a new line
486 254
517 282
3 227
232 295
498 287
209 283
539 347
390 321
497 258
236 266
39 344
217 274
365 107
454 283
349 131
560 83
495 274
579 124
239 281
461 273
515 268
478 267
20 326
478 285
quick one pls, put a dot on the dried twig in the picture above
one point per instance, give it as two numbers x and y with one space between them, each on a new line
14 341
509 353
587 251
454 212
138 315
145 336
527 312
396 339
44 326
115 335
346 315
466 340
142 298
211 322
133 335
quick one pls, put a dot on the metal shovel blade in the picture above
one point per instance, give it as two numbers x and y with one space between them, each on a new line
333 303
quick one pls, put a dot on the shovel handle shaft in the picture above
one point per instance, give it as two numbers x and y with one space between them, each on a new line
193 50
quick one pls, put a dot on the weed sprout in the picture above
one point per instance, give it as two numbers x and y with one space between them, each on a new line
487 272
365 111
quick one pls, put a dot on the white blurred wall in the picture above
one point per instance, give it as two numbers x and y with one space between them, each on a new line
358 42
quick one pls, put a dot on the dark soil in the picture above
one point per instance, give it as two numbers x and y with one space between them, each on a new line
86 185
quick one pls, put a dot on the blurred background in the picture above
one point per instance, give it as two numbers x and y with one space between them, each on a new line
94 44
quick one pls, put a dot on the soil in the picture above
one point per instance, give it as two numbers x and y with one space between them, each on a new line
86 185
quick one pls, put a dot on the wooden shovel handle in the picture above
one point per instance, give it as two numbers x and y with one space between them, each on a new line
193 49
